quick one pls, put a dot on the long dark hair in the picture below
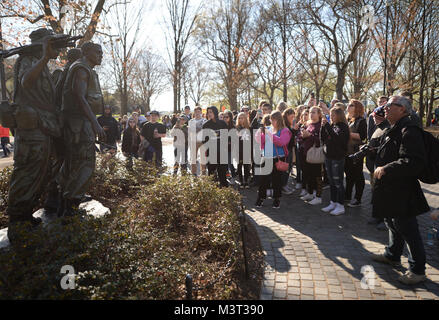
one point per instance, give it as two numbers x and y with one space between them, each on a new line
230 123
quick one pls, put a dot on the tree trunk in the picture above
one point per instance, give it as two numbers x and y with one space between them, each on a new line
340 83
148 105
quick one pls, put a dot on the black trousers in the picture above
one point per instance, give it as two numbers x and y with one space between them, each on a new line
220 170
313 178
246 172
354 177
275 177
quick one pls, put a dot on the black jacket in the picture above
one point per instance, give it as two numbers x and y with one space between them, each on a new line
216 126
113 133
127 142
374 142
335 138
402 153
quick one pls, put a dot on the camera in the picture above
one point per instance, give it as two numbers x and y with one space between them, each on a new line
364 151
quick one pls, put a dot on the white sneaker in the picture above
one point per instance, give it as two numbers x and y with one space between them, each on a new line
287 191
298 186
307 197
315 201
303 193
331 207
270 193
339 209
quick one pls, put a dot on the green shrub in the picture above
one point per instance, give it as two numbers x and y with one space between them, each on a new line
5 177
161 229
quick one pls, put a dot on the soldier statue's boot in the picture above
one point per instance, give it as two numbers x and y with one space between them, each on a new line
86 198
62 204
19 228
71 207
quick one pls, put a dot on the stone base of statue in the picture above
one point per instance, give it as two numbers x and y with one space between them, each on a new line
93 208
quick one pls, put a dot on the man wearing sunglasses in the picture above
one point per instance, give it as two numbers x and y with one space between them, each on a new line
397 195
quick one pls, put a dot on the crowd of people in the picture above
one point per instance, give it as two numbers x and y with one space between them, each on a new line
326 145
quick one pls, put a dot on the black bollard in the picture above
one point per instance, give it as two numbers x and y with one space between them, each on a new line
189 286
244 249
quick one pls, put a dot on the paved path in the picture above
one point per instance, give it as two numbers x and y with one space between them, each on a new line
312 255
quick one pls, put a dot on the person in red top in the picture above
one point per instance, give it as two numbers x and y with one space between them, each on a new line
4 135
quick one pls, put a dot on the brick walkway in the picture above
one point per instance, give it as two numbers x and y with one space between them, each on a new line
312 255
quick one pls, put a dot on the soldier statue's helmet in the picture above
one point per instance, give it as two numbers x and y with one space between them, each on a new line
74 54
39 35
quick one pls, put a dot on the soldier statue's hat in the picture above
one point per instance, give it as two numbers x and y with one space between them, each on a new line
38 35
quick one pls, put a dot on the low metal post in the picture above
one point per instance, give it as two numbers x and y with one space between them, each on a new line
189 286
244 249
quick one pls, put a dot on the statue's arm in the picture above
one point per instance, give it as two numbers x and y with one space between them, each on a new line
80 84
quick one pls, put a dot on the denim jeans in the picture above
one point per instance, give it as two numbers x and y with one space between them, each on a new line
406 230
335 170
149 155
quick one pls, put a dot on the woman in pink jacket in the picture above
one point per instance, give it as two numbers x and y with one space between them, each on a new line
273 141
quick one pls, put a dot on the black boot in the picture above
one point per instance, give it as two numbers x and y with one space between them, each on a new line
71 207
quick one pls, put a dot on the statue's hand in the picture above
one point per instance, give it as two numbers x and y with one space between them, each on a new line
48 51
99 131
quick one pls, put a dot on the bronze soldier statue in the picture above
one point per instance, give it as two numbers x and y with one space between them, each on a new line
37 125
54 202
82 100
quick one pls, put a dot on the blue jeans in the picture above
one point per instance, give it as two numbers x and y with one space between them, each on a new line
403 230
149 155
335 170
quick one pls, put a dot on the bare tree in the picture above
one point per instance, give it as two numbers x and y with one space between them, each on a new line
402 16
63 16
181 22
198 77
331 18
229 33
150 77
126 21
312 59
280 14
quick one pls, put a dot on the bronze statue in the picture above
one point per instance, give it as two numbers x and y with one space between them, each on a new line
82 100
54 201
37 125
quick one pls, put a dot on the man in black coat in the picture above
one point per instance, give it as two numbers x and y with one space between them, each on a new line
218 126
111 127
397 195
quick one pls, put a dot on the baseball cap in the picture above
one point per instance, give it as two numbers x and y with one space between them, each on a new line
379 111
155 112
148 114
244 107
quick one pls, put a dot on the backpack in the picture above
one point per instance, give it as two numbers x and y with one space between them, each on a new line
430 174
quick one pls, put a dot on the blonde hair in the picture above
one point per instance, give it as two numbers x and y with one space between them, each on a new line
245 125
277 116
282 106
319 111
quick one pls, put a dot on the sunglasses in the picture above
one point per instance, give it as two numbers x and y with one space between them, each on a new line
388 105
